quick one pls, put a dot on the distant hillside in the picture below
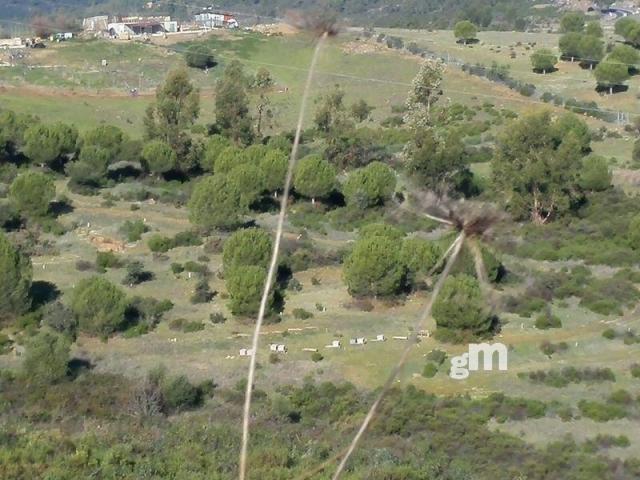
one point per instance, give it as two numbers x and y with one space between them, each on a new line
494 14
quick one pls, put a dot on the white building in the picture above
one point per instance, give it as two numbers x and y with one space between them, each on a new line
215 20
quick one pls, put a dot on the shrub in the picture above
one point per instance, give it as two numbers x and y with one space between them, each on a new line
316 357
430 370
46 359
186 326
301 314
106 260
60 319
609 334
601 412
187 238
217 318
635 370
178 393
99 306
158 243
437 356
177 268
547 320
136 274
133 230
202 293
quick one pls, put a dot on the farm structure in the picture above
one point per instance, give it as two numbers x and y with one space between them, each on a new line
215 20
128 27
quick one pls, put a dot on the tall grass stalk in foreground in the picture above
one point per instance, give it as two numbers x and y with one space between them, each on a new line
274 261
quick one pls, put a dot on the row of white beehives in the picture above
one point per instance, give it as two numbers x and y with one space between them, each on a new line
280 348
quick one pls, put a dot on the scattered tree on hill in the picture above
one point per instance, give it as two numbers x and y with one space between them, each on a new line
361 110
232 106
543 60
250 181
465 31
419 256
99 306
46 359
629 29
595 175
245 285
263 78
610 74
50 144
570 124
15 280
437 161
314 177
374 267
199 56
594 29
12 129
424 93
569 45
91 167
536 167
215 146
330 117
175 110
228 159
460 310
625 54
158 157
107 137
249 246
31 193
369 186
216 202
590 50
572 22
274 166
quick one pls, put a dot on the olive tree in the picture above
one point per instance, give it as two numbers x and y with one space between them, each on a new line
370 186
465 31
31 193
99 306
543 60
314 177
15 280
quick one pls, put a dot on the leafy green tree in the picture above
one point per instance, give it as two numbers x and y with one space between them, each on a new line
46 359
374 267
460 308
274 166
12 129
91 167
625 54
109 138
543 60
590 50
31 193
228 159
15 280
572 22
250 181
232 106
249 246
314 177
436 161
330 115
176 108
419 256
361 110
595 174
216 202
633 233
594 29
610 74
536 167
215 146
245 285
570 45
465 31
50 144
199 56
99 306
370 186
569 123
626 28
158 157
381 230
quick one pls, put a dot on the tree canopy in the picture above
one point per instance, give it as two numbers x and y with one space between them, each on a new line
245 285
249 246
572 22
99 306
46 359
465 31
233 119
200 56
47 144
217 202
31 193
314 177
15 280
158 157
369 186
610 74
543 60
